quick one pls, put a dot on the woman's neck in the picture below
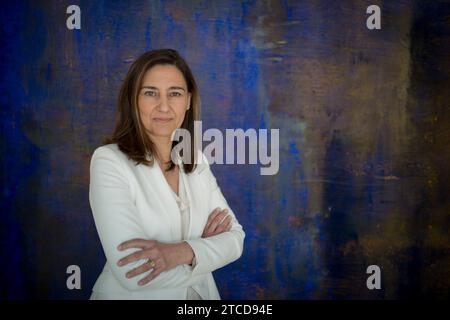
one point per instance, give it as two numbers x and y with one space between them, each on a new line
163 149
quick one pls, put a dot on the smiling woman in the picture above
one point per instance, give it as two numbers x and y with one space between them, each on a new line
163 101
164 227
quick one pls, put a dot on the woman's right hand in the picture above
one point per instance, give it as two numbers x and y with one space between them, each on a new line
217 223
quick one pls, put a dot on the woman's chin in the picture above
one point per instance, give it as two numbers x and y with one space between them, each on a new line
166 133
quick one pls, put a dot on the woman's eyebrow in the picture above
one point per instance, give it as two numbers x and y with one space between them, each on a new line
177 88
171 88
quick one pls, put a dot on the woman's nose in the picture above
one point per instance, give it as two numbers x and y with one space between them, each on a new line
163 104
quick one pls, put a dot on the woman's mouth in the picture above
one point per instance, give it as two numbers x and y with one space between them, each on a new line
162 120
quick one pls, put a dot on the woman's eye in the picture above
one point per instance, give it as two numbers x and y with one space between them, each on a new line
150 93
175 94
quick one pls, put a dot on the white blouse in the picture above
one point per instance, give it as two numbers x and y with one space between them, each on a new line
183 203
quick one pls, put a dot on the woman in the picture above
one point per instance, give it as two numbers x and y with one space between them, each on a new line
164 225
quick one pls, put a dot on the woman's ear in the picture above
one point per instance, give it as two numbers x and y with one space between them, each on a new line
189 101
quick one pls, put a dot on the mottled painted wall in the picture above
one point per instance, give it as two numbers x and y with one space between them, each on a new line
364 135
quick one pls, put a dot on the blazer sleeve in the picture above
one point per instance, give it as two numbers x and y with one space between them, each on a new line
116 220
217 251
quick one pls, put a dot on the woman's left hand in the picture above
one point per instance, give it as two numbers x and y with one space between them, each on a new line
161 257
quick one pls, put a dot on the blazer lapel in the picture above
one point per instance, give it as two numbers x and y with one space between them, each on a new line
187 190
166 202
197 201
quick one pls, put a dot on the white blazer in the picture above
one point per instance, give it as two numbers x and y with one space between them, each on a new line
131 201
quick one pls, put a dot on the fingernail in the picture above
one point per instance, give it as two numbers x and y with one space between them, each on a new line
226 210
119 247
119 263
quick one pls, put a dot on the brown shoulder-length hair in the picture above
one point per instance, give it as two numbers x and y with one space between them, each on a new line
129 132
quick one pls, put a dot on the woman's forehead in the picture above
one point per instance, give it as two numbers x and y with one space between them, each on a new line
164 73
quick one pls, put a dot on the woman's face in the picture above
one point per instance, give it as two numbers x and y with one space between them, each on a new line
163 100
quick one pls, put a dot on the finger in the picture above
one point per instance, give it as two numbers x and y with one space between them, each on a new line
153 274
137 243
141 254
224 225
218 220
230 225
141 269
157 264
211 217
207 230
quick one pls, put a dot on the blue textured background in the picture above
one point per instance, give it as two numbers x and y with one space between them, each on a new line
364 135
